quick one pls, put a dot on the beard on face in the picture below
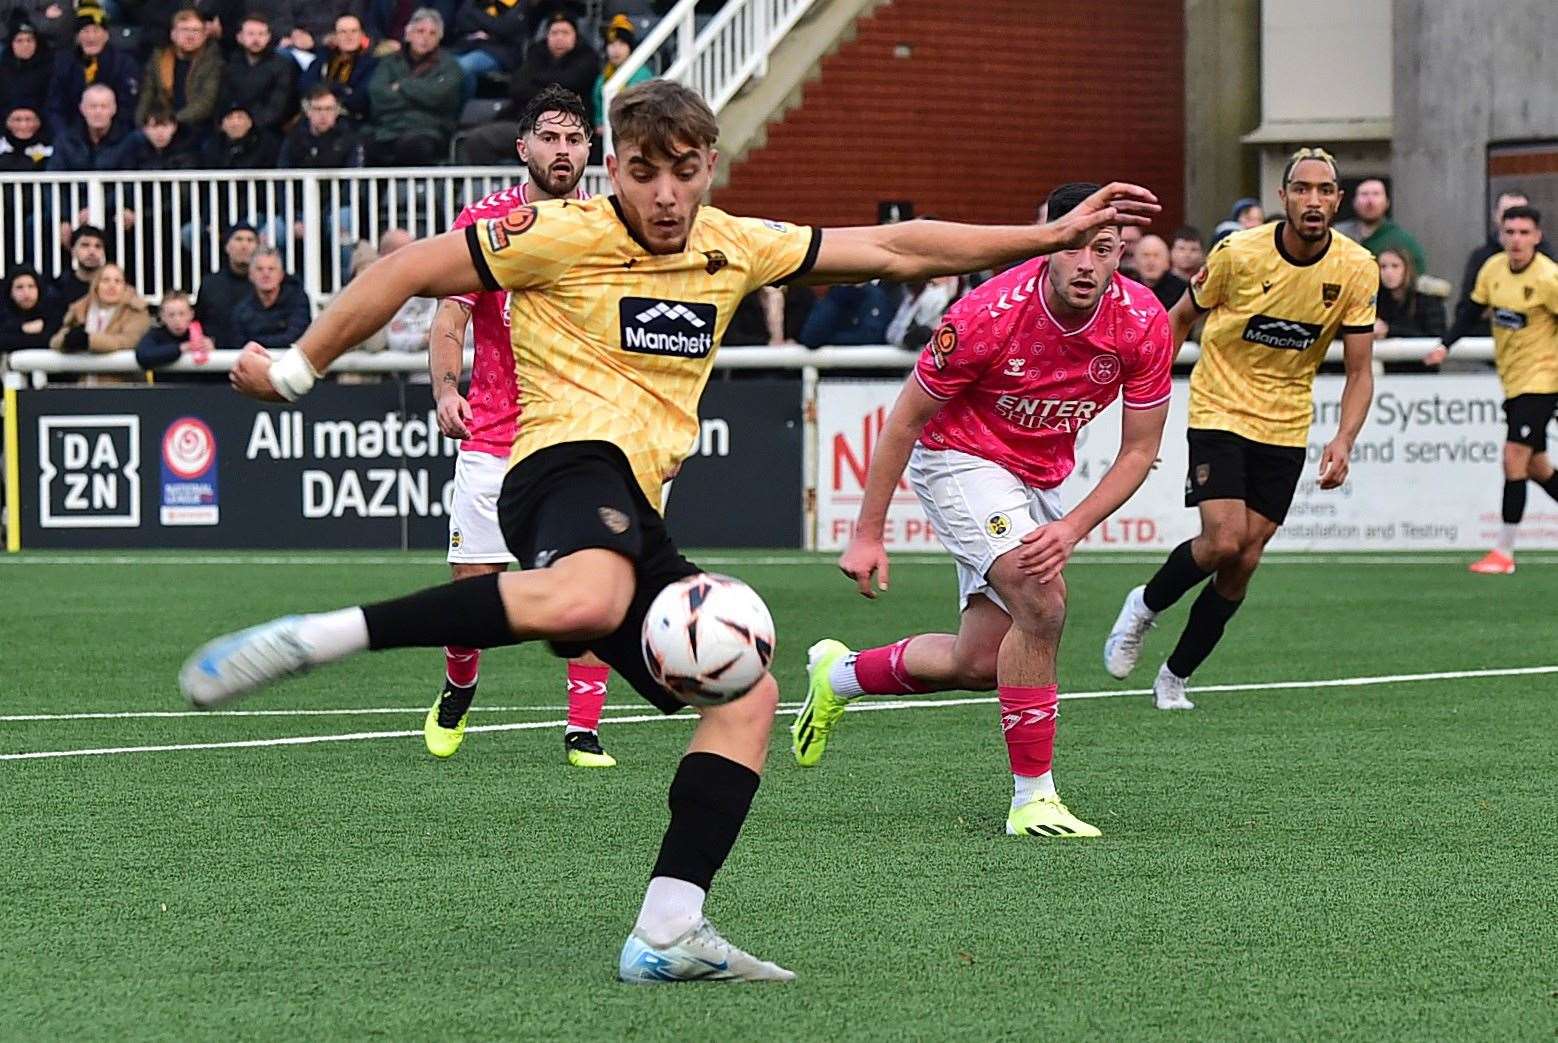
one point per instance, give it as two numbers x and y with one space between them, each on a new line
554 184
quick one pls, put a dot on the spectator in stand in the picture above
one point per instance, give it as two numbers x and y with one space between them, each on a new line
25 71
88 252
1372 228
240 145
225 18
321 140
160 144
489 36
24 148
621 38
276 311
1186 252
184 77
346 67
851 315
920 311
1129 237
1246 213
221 291
111 317
90 63
175 335
51 21
260 81
27 318
414 97
97 141
559 59
1152 271
1401 310
1479 257
314 29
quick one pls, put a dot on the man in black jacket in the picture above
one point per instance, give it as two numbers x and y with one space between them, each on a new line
1490 246
559 59
276 313
88 253
321 140
221 291
240 144
259 80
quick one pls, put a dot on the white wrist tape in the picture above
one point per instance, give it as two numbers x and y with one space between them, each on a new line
292 375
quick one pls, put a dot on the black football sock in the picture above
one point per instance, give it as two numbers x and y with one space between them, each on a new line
1515 499
709 800
466 612
1173 579
1209 616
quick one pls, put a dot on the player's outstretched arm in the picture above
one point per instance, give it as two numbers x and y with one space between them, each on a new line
915 250
866 555
1048 548
1357 395
436 267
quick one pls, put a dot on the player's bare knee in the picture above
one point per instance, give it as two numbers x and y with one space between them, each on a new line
978 669
1517 461
754 711
1039 608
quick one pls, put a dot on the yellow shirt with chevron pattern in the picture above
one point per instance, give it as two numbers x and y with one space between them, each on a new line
612 342
1272 319
1521 309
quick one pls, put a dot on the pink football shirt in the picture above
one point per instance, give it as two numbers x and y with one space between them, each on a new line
1018 386
493 392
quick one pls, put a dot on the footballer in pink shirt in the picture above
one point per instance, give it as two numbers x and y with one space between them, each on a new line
554 145
986 426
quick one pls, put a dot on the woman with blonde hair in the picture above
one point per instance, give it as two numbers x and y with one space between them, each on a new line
1402 311
111 317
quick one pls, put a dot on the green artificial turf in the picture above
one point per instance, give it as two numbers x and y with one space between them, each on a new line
1351 862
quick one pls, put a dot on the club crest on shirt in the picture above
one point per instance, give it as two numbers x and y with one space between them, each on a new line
455 539
998 525
716 260
1529 290
1330 292
942 344
1104 369
514 223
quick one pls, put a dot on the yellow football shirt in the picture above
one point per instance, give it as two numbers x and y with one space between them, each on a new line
1525 333
611 342
1272 319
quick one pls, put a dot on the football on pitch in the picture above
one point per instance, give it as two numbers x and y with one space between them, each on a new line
708 639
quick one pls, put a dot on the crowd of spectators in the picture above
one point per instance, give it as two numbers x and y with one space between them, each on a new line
94 85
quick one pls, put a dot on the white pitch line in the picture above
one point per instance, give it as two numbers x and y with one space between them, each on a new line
791 709
1103 693
784 560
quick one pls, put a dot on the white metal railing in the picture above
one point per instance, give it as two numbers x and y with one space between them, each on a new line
40 364
167 228
732 48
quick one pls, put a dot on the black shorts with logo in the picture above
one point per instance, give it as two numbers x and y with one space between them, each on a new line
579 496
1527 416
1226 466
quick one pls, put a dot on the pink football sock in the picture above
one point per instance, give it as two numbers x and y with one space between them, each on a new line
586 695
1028 722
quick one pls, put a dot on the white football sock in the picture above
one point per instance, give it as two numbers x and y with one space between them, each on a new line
842 677
1026 787
335 635
1506 538
671 908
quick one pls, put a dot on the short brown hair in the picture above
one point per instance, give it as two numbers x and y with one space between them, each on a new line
659 115
175 297
186 14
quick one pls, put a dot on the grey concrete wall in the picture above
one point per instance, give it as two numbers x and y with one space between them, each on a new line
1467 73
1222 104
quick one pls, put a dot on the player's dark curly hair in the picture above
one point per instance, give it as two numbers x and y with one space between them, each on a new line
553 98
1067 197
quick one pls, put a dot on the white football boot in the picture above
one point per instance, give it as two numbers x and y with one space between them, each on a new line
1168 691
1123 645
234 664
699 955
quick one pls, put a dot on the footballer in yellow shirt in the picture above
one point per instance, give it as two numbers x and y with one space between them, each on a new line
1275 297
619 307
1518 291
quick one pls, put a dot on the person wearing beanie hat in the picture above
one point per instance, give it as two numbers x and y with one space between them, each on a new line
25 69
52 21
621 37
90 63
24 148
489 36
221 290
240 143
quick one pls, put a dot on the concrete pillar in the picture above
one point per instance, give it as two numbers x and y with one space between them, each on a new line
1222 103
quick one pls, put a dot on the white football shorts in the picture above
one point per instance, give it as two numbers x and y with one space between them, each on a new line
979 510
474 535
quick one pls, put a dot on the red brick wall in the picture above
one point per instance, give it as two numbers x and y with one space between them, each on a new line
997 102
